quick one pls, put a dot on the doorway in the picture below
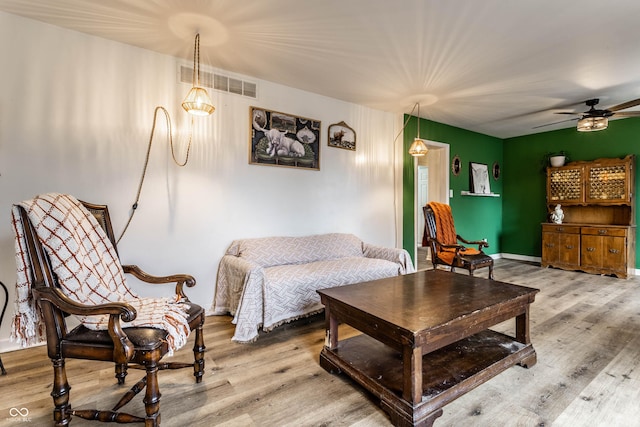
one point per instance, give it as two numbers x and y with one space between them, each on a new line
432 184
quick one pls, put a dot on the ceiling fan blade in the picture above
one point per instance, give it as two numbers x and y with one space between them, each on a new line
627 114
555 123
568 112
625 105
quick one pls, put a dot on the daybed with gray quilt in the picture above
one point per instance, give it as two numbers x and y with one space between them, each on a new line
265 282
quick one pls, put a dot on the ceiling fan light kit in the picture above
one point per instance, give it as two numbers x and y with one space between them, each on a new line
595 119
592 124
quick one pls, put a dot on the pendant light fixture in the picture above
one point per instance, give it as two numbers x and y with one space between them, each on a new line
418 147
197 101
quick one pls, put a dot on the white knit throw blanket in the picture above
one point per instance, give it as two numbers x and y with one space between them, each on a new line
88 271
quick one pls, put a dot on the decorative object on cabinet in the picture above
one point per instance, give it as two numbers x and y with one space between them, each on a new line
495 170
557 161
280 139
341 135
456 165
557 215
598 232
479 178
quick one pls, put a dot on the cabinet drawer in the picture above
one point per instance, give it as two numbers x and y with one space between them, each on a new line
604 231
558 228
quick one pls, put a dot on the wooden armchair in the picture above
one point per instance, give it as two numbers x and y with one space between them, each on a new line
441 237
136 347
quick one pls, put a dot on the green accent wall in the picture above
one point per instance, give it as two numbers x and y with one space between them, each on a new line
511 223
475 217
524 202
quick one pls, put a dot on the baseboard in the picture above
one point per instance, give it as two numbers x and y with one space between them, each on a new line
518 257
510 256
7 345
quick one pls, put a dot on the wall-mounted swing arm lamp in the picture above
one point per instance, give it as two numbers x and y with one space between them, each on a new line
418 147
197 103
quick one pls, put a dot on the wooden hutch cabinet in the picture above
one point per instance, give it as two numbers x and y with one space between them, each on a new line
598 232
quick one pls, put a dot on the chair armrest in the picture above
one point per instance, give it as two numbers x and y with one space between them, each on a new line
481 243
399 256
122 346
441 246
179 279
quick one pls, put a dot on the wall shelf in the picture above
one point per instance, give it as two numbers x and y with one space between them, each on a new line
469 193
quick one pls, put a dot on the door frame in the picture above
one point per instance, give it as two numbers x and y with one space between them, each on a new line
444 176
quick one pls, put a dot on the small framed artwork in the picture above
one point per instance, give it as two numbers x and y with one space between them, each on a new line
496 171
342 136
456 165
281 139
479 178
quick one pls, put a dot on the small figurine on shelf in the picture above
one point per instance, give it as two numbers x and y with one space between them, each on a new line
557 215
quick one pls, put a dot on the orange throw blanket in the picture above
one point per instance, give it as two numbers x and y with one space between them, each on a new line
446 232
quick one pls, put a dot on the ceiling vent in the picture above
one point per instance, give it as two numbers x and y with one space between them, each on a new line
220 82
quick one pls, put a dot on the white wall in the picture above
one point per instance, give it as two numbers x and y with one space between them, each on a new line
75 117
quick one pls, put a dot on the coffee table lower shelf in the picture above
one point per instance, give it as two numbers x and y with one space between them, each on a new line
448 373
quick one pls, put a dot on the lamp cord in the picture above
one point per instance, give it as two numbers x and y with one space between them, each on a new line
146 160
196 65
395 195
407 122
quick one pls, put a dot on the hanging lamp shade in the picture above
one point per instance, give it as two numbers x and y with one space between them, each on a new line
197 101
418 148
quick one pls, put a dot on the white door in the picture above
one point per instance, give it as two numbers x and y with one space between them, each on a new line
423 199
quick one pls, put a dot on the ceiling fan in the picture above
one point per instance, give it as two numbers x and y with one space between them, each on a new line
595 119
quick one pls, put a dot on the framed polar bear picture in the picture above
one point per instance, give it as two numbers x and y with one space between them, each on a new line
281 139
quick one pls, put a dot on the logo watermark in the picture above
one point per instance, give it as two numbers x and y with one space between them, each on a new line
19 415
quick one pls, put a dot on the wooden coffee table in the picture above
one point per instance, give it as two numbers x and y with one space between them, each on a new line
426 340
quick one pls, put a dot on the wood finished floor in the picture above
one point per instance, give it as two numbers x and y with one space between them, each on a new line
585 329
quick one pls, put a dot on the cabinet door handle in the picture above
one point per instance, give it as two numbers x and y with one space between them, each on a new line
602 232
569 246
560 229
549 245
614 251
591 249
